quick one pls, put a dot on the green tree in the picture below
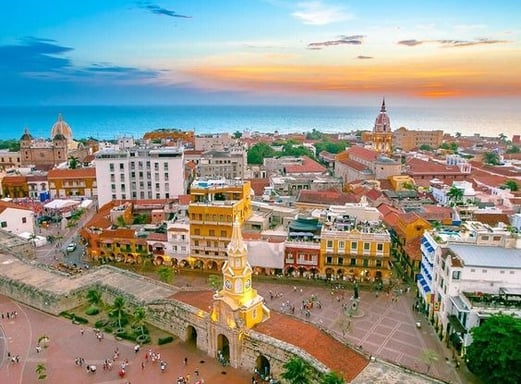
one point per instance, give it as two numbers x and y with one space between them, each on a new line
237 135
41 371
455 194
94 297
258 152
73 162
331 146
118 309
502 137
215 281
296 371
494 354
314 135
425 147
458 135
491 158
140 315
165 274
332 378
512 185
513 149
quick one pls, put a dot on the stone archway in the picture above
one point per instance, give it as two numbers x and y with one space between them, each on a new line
262 366
223 349
191 336
213 266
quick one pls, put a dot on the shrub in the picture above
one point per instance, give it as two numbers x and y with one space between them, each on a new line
141 329
108 329
101 323
165 340
79 319
92 310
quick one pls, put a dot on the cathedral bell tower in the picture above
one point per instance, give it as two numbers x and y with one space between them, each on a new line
237 304
382 136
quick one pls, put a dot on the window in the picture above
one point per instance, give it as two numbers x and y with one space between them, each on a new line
354 245
456 275
121 166
223 233
111 167
485 238
378 263
340 260
341 244
496 238
329 244
24 220
379 247
3 224
212 233
367 246
353 261
329 260
366 263
165 166
483 271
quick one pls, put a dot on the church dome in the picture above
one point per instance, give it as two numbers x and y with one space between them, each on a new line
26 136
58 136
61 128
382 123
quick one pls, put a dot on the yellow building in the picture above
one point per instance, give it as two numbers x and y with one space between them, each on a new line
381 137
408 140
237 304
213 207
402 183
360 252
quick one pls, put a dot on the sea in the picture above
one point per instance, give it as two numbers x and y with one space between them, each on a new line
110 122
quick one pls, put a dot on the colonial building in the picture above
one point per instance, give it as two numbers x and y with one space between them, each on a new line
65 183
9 159
381 137
140 173
214 204
355 250
229 164
407 139
15 218
45 154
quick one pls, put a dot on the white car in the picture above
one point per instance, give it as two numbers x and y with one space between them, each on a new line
71 247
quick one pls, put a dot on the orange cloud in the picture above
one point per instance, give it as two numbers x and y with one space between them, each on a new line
418 78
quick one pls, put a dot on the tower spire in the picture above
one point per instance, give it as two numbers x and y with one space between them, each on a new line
383 105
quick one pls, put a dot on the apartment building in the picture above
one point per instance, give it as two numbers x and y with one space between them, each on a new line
407 139
140 173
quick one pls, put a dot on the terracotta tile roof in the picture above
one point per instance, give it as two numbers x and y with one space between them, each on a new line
89 158
77 173
258 185
308 166
7 204
327 156
373 194
329 197
492 219
153 236
184 199
332 353
433 212
354 164
412 248
362 153
119 233
385 184
421 167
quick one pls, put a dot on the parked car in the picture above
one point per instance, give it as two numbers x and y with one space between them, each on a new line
71 247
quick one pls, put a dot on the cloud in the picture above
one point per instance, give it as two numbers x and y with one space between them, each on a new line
157 10
361 57
410 43
341 40
450 43
318 13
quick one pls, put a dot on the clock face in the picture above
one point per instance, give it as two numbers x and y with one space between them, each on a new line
247 284
228 284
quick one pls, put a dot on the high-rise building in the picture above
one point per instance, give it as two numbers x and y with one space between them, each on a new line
139 173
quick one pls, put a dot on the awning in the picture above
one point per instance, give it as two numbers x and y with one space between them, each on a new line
455 323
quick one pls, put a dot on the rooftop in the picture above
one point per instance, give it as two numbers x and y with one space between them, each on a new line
494 257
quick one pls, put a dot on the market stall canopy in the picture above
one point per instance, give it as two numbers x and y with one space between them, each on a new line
61 204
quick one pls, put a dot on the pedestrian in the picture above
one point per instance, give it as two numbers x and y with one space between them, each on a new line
186 360
82 331
142 365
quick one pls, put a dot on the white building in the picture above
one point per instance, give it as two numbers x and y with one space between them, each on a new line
472 283
178 247
140 173
15 219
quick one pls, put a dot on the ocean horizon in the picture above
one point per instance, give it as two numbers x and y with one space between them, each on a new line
111 122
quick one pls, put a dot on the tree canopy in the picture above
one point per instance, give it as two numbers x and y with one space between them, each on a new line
331 147
11 145
258 152
512 185
296 371
491 158
495 353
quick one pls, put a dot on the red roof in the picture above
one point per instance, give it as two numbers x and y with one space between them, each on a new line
329 197
329 351
67 173
308 166
362 153
421 167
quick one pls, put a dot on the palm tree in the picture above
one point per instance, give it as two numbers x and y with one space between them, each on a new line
94 297
41 371
502 137
332 378
140 315
118 308
73 162
491 158
215 281
455 194
296 371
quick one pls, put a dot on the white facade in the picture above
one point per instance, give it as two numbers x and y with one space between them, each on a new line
140 173
178 235
16 220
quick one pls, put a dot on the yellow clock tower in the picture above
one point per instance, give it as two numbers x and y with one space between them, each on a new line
237 304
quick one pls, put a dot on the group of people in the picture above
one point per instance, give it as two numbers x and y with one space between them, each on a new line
9 315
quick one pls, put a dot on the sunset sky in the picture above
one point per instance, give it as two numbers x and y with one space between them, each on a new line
260 52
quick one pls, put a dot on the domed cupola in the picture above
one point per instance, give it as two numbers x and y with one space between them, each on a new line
58 137
61 127
26 136
382 123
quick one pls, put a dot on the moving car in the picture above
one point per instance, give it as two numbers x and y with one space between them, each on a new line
71 247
